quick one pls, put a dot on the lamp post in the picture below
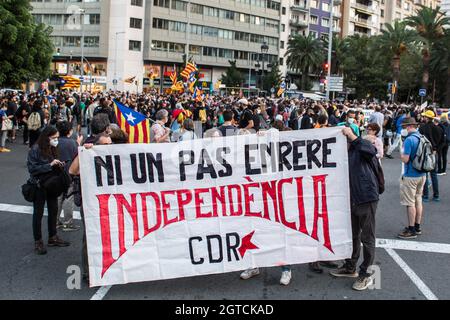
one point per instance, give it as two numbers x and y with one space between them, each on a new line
115 62
82 14
264 50
330 42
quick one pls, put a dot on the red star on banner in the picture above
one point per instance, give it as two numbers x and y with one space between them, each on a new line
247 244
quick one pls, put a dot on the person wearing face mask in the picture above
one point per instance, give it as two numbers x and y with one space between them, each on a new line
44 166
351 122
397 139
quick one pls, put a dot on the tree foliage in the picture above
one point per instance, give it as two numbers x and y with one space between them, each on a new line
273 78
25 47
233 77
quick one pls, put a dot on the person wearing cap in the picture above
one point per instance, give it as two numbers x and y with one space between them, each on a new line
412 181
436 136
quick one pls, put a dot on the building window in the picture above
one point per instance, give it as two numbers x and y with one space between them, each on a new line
314 20
92 42
314 4
176 47
179 5
325 22
382 13
72 41
283 10
135 23
283 28
137 3
282 44
281 62
177 26
161 3
195 50
325 7
160 24
134 45
159 45
196 29
94 19
196 8
314 34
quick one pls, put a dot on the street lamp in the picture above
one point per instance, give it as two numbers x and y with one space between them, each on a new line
115 62
264 50
330 41
82 13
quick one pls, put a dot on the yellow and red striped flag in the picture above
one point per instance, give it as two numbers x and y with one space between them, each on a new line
135 124
191 67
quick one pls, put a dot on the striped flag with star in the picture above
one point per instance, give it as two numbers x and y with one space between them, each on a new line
190 68
135 124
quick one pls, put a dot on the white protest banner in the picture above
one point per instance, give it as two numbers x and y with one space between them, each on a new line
161 211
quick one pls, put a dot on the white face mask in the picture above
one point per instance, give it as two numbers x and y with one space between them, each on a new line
351 120
404 132
54 142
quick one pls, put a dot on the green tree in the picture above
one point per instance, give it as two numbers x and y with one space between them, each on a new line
233 77
303 55
429 24
364 69
397 40
25 47
440 65
338 52
273 78
410 75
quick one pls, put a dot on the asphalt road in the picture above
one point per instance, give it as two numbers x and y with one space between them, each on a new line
418 272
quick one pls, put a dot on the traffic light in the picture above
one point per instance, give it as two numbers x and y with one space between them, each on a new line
325 67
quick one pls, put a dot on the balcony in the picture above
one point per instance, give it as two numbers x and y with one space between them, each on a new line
362 22
337 14
298 23
337 29
300 7
364 8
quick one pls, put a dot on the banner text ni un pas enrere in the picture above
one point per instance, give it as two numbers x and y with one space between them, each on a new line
161 211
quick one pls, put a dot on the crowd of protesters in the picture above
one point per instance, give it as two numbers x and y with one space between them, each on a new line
52 128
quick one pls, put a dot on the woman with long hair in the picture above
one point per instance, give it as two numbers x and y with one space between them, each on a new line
43 165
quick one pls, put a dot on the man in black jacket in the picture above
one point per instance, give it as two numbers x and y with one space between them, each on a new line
364 195
436 136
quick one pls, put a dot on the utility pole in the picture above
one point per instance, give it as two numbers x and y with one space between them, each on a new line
188 32
330 42
115 62
82 14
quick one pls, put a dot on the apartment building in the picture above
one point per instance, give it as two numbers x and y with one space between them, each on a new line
361 17
307 17
146 39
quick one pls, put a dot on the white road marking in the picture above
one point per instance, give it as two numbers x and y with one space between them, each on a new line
413 245
412 275
28 210
101 293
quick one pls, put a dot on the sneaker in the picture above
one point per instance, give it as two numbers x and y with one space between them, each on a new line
249 273
315 267
56 241
70 227
389 156
39 247
436 199
425 199
344 272
407 234
362 283
418 231
285 278
4 150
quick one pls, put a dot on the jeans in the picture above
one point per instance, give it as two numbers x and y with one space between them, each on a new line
38 212
3 138
396 142
66 204
25 132
442 159
363 230
434 182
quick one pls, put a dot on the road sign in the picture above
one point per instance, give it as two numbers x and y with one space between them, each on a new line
272 90
335 83
422 92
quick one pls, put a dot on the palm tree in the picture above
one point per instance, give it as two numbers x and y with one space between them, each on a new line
440 61
304 53
429 24
397 40
338 50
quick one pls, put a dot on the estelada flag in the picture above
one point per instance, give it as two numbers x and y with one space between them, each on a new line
129 80
190 67
173 77
135 124
198 94
69 82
